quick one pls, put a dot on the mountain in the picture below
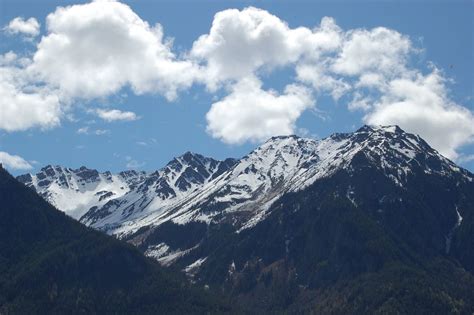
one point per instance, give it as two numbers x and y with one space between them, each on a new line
51 264
158 192
104 200
374 221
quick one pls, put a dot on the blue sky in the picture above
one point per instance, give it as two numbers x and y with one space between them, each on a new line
435 39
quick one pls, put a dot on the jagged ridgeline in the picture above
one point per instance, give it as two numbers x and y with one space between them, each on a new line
370 221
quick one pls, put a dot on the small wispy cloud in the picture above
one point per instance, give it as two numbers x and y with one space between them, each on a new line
146 143
101 132
466 158
115 115
133 164
18 25
88 131
83 131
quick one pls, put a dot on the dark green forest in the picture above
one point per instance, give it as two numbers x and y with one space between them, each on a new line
51 264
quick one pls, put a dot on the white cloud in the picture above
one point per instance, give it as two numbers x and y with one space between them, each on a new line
421 105
241 42
14 162
133 164
240 45
466 158
373 67
101 132
93 50
250 113
23 104
360 102
83 131
371 80
372 56
318 77
87 131
116 115
18 25
90 50
149 142
379 50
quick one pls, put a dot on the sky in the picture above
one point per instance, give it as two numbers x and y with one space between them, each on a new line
132 84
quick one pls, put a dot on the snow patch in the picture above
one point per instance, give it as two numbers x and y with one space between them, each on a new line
192 268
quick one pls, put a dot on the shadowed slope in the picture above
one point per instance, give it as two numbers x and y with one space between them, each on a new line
50 263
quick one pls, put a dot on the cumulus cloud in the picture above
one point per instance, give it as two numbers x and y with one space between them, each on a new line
379 50
116 115
364 64
23 104
242 42
95 49
90 51
421 105
250 113
362 59
14 162
317 76
360 102
18 25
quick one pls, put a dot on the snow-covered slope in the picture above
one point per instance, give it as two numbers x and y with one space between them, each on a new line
87 195
160 191
242 195
193 188
241 192
75 191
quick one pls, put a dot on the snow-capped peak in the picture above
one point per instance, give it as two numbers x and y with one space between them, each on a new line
284 164
158 191
192 187
380 128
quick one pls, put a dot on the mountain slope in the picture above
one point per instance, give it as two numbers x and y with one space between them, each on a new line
247 193
374 221
193 188
160 191
74 191
316 250
345 221
51 264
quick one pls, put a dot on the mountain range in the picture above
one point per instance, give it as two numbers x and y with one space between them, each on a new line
373 221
